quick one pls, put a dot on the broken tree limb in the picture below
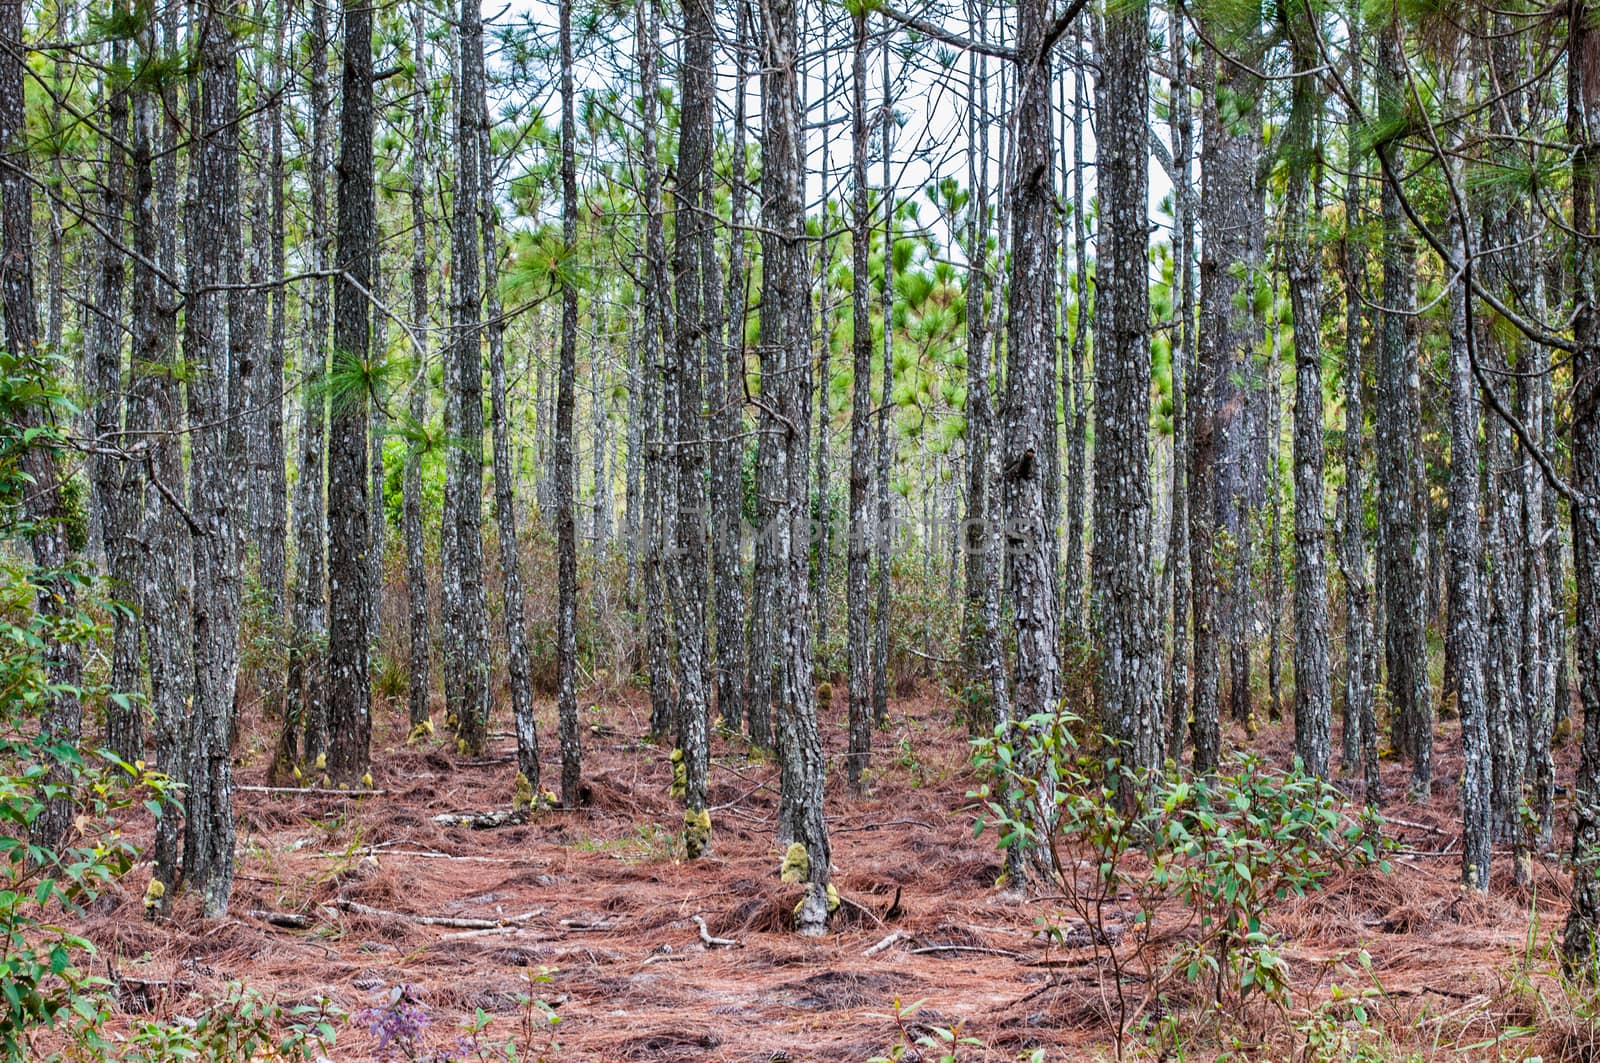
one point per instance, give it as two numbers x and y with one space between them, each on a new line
888 942
665 957
378 850
500 817
308 791
488 931
453 922
965 948
288 920
1430 828
713 942
863 909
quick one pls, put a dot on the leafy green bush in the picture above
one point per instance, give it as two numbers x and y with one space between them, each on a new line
46 984
1205 857
43 977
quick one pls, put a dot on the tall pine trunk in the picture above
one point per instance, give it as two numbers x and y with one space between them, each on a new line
1313 707
45 502
350 588
655 327
214 471
472 635
859 750
306 708
118 482
166 575
785 355
727 411
420 625
1404 539
1359 742
1129 678
519 665
566 520
1581 936
695 333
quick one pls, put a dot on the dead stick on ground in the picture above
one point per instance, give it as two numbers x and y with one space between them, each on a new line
888 823
288 920
665 957
453 922
966 948
501 817
713 942
376 851
863 909
887 943
485 932
1430 828
308 791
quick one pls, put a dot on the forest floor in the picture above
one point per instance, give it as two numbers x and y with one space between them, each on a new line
608 912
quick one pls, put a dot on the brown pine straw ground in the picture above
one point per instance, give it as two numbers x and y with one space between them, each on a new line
631 979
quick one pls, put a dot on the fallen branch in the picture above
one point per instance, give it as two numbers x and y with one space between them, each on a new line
887 943
888 823
713 942
501 817
453 922
375 850
288 920
309 791
1430 828
966 948
488 931
663 957
863 909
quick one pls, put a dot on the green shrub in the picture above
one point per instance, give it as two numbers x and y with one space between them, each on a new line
1207 855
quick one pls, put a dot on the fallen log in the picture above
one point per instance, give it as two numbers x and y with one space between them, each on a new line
450 921
713 942
500 817
287 920
887 943
309 791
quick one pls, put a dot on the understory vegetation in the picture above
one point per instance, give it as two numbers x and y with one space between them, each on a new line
810 529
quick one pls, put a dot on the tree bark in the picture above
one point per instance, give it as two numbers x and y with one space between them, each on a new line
166 563
1184 375
1129 676
472 639
1581 936
785 352
695 333
1313 707
45 502
727 480
349 538
859 749
988 705
655 327
420 673
118 482
1404 541
1466 561
519 665
566 521
885 533
1359 745
307 705
214 472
